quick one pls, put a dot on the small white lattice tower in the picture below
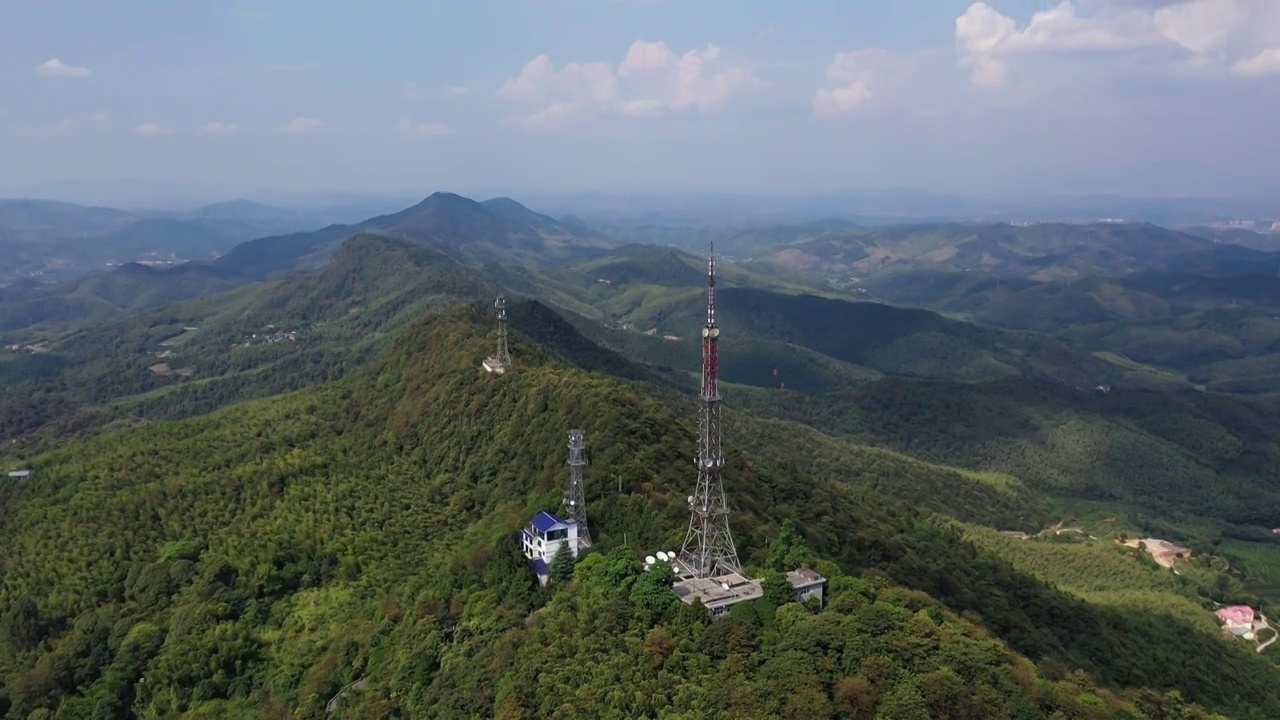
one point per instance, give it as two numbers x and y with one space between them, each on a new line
575 498
708 549
500 362
504 355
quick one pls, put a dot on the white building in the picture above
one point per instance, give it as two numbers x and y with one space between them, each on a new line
20 475
718 594
545 536
806 584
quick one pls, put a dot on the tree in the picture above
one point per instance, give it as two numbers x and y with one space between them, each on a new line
788 551
652 592
22 627
777 590
562 566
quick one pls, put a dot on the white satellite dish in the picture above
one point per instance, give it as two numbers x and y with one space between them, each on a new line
648 560
671 554
662 556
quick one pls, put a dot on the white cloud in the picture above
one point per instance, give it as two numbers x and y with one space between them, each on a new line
1180 37
1266 62
427 130
218 128
98 117
651 80
855 78
150 129
57 68
301 125
457 90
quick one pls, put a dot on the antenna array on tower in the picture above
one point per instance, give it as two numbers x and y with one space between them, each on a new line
575 498
501 361
708 549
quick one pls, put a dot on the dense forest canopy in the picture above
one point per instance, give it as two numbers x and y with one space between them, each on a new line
300 498
348 550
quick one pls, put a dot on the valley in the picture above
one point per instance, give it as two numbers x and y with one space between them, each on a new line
319 489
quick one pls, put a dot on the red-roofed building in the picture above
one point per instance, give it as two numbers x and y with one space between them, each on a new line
1236 616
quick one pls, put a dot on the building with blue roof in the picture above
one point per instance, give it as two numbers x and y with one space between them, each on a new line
545 536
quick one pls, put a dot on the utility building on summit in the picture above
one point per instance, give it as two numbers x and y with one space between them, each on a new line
549 536
545 538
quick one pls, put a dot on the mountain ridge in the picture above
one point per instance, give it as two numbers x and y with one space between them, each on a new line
363 532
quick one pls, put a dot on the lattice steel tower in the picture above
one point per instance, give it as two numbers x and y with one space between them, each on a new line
576 499
504 355
708 549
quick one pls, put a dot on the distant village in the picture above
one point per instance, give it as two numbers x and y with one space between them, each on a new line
270 335
33 348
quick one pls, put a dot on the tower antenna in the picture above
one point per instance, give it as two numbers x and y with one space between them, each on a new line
504 354
500 362
708 549
575 498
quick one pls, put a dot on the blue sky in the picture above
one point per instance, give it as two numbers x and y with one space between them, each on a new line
227 98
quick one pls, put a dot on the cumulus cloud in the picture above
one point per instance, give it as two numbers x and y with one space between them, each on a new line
300 125
150 129
457 90
56 68
1266 62
1199 35
856 78
651 80
218 128
427 130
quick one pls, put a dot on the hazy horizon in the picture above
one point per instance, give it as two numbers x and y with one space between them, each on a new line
1015 98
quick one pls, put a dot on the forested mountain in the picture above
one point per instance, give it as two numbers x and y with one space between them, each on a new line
1041 251
298 496
285 333
348 551
1220 331
58 241
471 232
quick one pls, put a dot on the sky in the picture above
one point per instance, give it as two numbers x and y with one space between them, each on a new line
232 98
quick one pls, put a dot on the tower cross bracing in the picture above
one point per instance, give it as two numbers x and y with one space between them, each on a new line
708 549
575 498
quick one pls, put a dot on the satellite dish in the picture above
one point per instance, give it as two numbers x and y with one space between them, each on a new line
724 585
671 554
662 556
648 560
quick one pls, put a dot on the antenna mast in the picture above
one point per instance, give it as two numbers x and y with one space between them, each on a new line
708 549
576 497
504 355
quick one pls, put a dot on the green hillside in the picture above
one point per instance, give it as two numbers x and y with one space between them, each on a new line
1040 251
261 560
1190 465
236 345
1218 331
463 229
